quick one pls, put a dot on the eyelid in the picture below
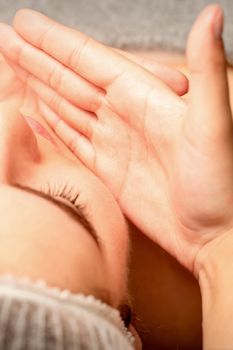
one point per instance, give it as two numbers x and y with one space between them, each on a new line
78 215
71 194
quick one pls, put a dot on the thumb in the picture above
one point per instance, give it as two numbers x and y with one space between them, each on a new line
210 113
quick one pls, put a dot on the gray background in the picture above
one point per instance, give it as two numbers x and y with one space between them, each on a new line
138 24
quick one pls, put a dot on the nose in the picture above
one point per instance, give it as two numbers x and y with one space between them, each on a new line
18 143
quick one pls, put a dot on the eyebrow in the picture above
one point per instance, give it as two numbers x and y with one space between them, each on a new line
76 214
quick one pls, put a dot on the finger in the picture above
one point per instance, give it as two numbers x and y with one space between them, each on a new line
176 80
80 120
95 62
61 79
79 145
210 113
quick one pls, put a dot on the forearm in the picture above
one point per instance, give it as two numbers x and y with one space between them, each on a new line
216 283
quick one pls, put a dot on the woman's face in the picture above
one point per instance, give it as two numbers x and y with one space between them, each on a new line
42 233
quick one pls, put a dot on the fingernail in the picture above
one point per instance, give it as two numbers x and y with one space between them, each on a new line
218 24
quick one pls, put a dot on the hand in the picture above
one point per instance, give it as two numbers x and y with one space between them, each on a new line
14 93
168 163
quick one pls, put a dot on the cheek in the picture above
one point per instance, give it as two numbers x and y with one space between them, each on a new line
64 255
118 263
122 249
116 243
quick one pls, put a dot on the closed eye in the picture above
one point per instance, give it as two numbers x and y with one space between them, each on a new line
77 212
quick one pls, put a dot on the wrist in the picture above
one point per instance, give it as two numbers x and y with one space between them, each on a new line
214 270
215 259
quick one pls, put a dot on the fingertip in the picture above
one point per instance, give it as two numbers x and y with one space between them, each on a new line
207 26
31 25
182 85
218 24
25 19
207 14
176 80
205 46
19 16
23 14
209 93
6 32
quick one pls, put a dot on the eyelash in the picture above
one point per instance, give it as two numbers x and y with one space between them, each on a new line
65 191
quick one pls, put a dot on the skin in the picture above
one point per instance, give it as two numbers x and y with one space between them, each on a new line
165 282
173 324
29 108
180 156
35 247
33 228
210 141
185 136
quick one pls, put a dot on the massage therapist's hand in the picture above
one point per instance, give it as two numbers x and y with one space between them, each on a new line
14 94
168 163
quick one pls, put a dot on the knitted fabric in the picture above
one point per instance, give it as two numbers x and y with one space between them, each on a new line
36 317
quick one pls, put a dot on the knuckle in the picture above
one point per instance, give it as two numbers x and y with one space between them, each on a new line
55 102
57 125
118 79
96 102
73 144
75 57
55 77
21 54
88 129
44 38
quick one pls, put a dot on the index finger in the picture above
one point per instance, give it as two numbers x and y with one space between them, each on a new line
90 59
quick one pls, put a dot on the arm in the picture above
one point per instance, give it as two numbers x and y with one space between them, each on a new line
216 283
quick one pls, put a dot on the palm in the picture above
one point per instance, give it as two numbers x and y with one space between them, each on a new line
128 154
149 160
